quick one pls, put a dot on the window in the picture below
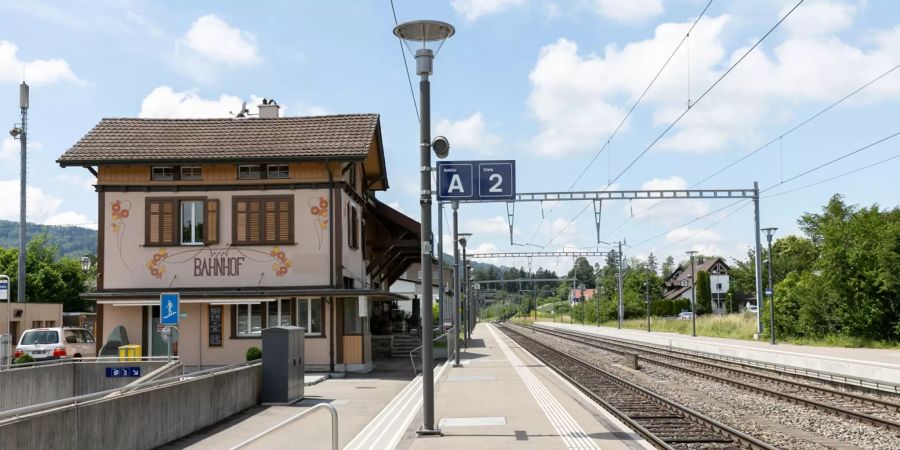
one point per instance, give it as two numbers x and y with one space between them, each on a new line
50 323
352 321
719 287
279 313
309 316
352 227
70 337
249 172
263 220
37 323
162 173
39 337
85 336
277 171
248 320
191 173
353 177
192 222
198 219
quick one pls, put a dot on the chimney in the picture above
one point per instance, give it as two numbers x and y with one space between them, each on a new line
268 109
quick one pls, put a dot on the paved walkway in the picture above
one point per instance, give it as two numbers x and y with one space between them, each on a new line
869 363
357 398
503 397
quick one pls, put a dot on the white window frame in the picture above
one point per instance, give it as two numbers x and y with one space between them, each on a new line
195 213
277 174
247 308
159 176
194 173
309 315
249 171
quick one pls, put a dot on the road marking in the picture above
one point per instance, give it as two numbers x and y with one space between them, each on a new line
572 434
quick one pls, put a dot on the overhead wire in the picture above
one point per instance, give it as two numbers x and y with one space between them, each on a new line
686 110
630 111
412 92
868 166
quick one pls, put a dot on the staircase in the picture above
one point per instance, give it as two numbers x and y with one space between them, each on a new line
402 344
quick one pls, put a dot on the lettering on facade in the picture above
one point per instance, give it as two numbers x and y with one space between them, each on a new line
222 266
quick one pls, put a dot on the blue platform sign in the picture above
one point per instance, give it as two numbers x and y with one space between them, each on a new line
4 289
168 308
476 180
123 372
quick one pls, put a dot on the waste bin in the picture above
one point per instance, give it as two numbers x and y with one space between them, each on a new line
130 352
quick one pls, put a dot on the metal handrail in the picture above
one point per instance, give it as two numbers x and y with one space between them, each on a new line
334 425
81 399
413 361
89 359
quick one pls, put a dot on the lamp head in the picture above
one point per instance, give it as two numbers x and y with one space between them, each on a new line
85 264
441 147
15 132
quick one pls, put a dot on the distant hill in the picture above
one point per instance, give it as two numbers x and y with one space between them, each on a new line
72 241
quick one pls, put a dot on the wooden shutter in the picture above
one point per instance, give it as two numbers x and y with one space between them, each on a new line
254 221
161 222
240 221
271 220
285 220
211 222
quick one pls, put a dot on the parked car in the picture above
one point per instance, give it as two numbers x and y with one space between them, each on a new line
751 309
685 315
56 343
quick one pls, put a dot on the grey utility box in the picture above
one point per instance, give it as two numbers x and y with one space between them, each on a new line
283 364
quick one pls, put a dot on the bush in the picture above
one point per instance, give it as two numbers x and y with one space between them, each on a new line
254 353
26 358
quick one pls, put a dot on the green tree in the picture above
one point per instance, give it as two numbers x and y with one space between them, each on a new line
668 267
50 279
703 294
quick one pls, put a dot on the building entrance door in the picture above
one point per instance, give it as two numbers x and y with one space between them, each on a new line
157 345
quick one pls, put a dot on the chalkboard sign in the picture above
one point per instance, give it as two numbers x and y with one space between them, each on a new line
215 325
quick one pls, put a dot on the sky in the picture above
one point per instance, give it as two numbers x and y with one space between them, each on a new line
545 82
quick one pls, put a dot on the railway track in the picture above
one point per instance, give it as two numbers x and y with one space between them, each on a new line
871 410
663 423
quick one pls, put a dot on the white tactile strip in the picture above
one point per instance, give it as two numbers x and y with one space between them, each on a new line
572 434
389 426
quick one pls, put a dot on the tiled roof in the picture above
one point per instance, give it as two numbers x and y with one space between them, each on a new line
164 140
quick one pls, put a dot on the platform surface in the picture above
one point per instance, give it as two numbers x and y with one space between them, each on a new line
502 397
870 363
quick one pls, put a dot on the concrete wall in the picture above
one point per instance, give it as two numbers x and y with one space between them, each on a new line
141 420
32 385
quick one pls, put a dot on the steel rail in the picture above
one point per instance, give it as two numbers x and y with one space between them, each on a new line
829 408
845 381
739 437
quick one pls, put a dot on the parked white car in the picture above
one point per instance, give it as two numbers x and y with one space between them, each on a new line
685 315
56 343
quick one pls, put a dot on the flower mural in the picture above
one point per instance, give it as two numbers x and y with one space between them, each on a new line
319 210
156 264
282 262
119 211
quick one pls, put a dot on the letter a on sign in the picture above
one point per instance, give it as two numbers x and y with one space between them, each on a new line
456 185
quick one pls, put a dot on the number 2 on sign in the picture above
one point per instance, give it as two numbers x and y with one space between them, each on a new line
498 181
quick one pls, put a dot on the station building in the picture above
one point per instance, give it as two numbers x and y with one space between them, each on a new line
255 222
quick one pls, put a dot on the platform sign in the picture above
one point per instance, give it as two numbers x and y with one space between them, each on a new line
123 372
4 289
476 180
769 292
168 308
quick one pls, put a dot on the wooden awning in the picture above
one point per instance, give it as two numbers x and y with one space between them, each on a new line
392 242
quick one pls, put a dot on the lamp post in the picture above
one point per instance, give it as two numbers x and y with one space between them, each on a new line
598 298
647 299
424 32
693 295
463 290
7 351
769 233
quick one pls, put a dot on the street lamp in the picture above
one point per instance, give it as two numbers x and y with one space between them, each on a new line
693 295
424 32
85 264
769 233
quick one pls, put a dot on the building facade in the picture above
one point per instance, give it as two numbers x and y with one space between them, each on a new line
680 282
255 222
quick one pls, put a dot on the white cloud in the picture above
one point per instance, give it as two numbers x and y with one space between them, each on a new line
215 40
628 10
578 98
821 17
165 102
11 148
491 226
667 212
474 9
470 133
71 218
706 242
396 206
36 72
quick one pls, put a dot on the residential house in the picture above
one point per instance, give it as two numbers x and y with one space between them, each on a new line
680 283
255 222
580 294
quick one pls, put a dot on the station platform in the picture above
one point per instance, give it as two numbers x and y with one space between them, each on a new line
502 397
881 365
